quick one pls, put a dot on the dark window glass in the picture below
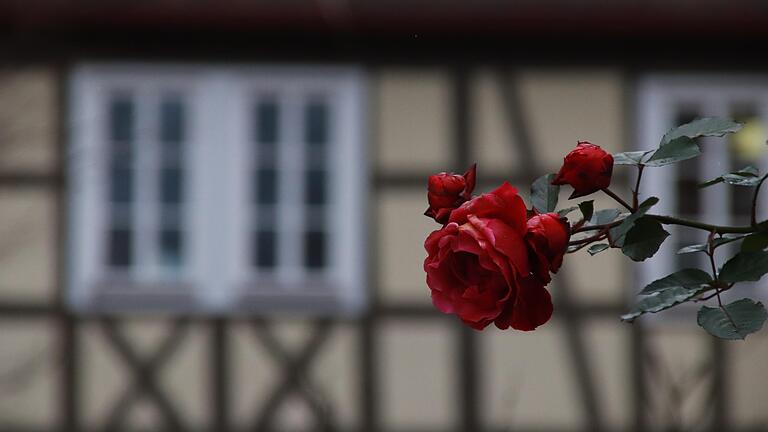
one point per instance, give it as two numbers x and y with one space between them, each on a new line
688 202
316 123
264 248
172 121
121 179
741 201
170 247
267 120
171 185
121 119
314 249
266 186
315 187
120 248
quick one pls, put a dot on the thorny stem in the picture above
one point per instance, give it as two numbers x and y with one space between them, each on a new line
617 198
718 229
636 191
711 254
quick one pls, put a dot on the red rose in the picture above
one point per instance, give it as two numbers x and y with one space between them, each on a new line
478 265
447 191
547 238
587 168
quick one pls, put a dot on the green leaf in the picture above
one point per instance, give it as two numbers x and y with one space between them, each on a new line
660 300
745 266
703 247
690 278
644 239
564 212
630 158
703 127
733 321
618 232
544 194
602 217
679 149
744 177
597 248
587 208
755 242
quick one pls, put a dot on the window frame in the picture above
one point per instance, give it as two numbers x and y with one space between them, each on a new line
217 111
658 97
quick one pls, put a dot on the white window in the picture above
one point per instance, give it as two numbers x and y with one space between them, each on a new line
196 188
665 101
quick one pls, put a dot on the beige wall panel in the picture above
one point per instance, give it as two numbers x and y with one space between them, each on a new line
401 246
27 119
748 381
104 376
681 351
254 374
493 145
603 278
28 375
417 375
528 381
186 377
28 246
336 374
412 119
564 106
608 344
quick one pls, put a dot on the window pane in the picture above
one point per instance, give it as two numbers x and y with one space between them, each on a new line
121 118
314 249
264 249
316 123
687 196
267 120
172 121
315 187
266 186
120 248
171 186
121 179
170 247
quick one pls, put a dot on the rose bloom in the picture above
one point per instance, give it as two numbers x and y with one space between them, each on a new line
480 265
547 237
447 191
587 168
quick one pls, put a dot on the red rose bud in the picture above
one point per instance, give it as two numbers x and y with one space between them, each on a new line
587 168
447 191
547 237
478 265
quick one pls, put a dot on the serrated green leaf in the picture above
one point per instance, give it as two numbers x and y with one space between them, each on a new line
587 208
602 217
564 212
703 247
660 300
618 232
733 321
544 194
630 158
745 266
597 248
677 150
755 242
703 127
744 177
644 239
690 278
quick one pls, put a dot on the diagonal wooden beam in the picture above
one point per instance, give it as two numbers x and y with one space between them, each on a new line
145 373
294 377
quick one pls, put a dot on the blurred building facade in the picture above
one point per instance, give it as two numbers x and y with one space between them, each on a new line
210 213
